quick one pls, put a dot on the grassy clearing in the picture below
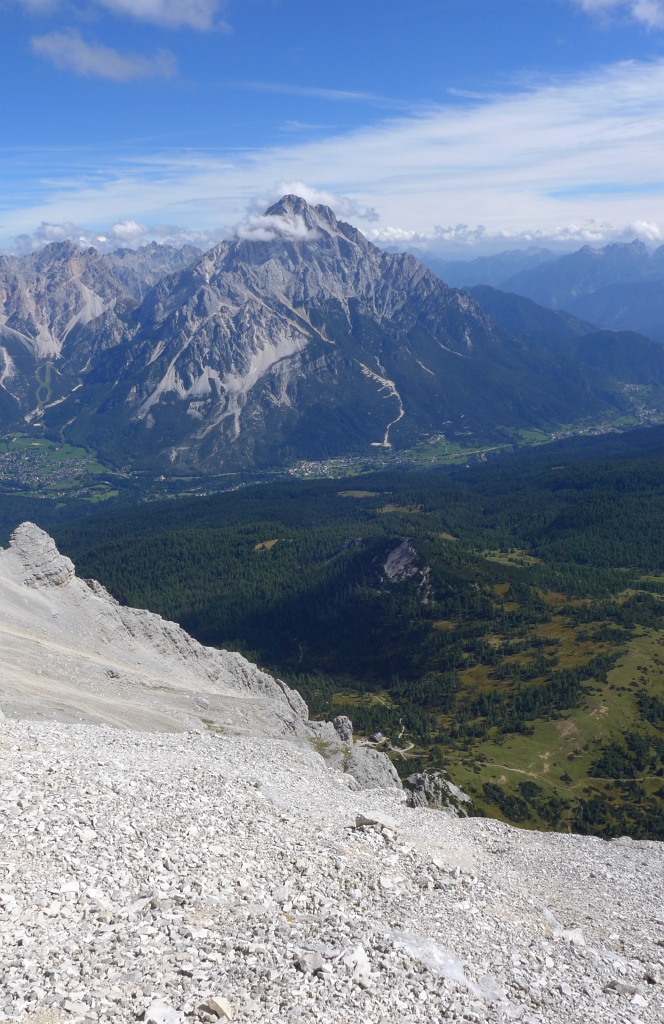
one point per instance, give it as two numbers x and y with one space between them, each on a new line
52 452
442 452
364 700
515 557
445 625
410 510
534 436
559 754
569 649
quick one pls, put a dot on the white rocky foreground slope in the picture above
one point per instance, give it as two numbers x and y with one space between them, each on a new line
69 652
185 876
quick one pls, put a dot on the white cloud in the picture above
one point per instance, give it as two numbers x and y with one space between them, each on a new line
463 240
645 231
648 12
341 205
262 228
69 52
127 234
459 240
198 14
254 225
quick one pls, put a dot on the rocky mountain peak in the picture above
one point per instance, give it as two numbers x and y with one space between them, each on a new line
41 562
315 218
59 251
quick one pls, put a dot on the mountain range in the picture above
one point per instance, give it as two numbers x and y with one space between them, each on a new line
493 270
562 282
619 286
303 342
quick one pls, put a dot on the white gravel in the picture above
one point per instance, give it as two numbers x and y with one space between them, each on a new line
143 869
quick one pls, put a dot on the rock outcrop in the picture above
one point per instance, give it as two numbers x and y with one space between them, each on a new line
434 789
43 565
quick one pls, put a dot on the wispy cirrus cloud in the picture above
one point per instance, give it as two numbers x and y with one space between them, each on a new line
70 52
198 14
317 93
573 158
647 12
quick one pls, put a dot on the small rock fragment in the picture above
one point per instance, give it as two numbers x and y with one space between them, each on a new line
219 1006
309 963
162 1013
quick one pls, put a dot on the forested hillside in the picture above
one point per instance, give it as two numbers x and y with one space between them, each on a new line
504 621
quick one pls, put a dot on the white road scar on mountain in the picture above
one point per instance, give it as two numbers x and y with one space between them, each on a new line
392 392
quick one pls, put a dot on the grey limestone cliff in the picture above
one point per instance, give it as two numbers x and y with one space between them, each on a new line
71 652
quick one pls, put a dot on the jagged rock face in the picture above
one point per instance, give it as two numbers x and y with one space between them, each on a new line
45 295
434 789
43 565
69 651
139 270
344 728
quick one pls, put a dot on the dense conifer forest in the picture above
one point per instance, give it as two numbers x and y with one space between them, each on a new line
503 621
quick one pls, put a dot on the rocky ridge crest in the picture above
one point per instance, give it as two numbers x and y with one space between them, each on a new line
72 653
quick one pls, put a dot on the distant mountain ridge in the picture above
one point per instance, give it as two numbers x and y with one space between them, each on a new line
45 295
619 286
636 306
559 282
304 341
492 270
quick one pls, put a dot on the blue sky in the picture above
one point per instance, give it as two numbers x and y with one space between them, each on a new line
466 126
